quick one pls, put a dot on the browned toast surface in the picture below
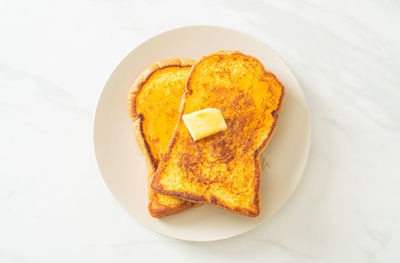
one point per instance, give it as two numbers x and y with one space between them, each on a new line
223 169
154 102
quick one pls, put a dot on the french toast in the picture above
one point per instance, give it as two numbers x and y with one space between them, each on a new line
223 169
154 102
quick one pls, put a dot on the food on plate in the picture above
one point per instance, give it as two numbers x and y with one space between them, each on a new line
154 102
222 169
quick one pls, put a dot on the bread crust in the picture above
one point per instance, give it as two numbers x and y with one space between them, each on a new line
158 187
155 208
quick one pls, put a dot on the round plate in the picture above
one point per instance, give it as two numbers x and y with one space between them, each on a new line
123 165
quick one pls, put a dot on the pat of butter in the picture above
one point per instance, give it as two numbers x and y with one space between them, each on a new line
204 123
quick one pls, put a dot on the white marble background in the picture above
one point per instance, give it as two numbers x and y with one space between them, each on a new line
55 57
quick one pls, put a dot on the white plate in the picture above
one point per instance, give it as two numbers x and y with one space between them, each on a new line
122 163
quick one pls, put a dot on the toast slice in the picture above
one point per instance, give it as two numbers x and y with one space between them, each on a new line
154 102
223 169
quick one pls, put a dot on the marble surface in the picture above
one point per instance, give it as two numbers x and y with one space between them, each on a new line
55 57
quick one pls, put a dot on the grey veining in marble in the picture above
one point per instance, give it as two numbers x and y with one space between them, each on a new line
55 57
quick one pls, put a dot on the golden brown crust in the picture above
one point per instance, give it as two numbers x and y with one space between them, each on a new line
155 208
167 211
146 74
158 187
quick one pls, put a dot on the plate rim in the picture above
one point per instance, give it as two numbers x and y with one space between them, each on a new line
197 26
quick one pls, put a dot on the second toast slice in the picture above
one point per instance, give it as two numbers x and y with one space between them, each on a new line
154 102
